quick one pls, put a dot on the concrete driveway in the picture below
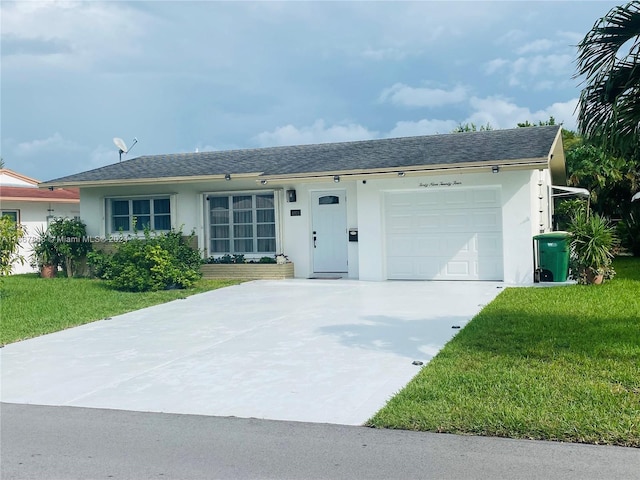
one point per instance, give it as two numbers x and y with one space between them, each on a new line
329 351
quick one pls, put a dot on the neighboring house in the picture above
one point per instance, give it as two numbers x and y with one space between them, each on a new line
33 208
461 206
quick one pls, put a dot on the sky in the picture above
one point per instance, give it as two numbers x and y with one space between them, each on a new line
186 76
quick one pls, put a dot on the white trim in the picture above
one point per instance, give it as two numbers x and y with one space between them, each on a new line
4 211
276 192
569 191
107 218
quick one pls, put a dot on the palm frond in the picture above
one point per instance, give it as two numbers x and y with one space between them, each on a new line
609 59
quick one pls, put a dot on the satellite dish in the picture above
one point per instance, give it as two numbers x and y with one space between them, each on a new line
122 147
120 144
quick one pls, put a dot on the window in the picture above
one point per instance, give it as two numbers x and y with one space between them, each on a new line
329 200
242 224
151 213
12 214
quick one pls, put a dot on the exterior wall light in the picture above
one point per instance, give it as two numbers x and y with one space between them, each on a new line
495 169
336 178
227 176
263 182
401 174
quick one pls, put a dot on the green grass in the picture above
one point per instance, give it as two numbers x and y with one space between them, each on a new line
557 363
32 306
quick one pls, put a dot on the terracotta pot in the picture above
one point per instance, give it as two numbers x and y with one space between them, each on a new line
594 278
48 271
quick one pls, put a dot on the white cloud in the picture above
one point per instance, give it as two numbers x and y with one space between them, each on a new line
502 113
422 127
384 54
404 95
523 69
79 33
53 143
536 46
494 65
100 157
316 133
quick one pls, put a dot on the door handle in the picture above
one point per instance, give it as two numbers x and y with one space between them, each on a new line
314 241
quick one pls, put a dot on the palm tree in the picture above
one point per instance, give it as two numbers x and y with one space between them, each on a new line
609 60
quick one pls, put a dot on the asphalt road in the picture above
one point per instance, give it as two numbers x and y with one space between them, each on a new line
41 442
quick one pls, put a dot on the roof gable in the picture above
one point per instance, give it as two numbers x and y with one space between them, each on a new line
532 145
9 177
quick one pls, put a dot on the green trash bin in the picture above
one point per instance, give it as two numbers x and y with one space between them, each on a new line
552 256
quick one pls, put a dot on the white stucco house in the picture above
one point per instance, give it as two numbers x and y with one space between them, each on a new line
461 206
33 208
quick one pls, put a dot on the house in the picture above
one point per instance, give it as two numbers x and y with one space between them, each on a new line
33 208
461 206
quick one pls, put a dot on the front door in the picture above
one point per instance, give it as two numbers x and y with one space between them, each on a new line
329 231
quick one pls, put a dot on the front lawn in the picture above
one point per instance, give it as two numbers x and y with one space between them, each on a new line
32 306
558 363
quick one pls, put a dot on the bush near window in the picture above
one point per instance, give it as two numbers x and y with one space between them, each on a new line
69 239
155 262
229 259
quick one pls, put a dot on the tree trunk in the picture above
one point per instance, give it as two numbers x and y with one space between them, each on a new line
69 265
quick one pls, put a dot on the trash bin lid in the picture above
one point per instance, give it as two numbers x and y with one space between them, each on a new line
552 236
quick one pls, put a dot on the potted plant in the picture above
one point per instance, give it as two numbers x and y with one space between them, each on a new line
45 255
592 248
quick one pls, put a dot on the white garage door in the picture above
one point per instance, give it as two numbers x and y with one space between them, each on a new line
444 234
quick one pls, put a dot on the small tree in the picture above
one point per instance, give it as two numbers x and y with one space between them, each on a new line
70 239
10 236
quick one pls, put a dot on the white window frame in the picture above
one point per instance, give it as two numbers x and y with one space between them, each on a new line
109 212
15 211
230 195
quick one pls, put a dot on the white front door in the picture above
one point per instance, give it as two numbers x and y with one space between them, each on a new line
329 231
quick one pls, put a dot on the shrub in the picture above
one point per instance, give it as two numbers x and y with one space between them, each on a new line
69 237
155 262
10 235
629 232
593 242
227 259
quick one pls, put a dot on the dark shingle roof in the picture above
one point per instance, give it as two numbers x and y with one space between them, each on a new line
406 152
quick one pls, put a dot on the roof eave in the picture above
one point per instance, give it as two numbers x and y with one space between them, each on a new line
474 167
139 181
40 199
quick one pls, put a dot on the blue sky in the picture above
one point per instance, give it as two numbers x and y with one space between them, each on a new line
183 76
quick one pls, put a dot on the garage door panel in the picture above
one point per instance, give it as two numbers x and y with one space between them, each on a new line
426 222
428 199
444 234
455 199
490 244
398 246
401 268
486 220
400 223
485 198
457 268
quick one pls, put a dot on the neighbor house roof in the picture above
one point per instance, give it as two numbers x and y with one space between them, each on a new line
32 194
20 188
533 147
